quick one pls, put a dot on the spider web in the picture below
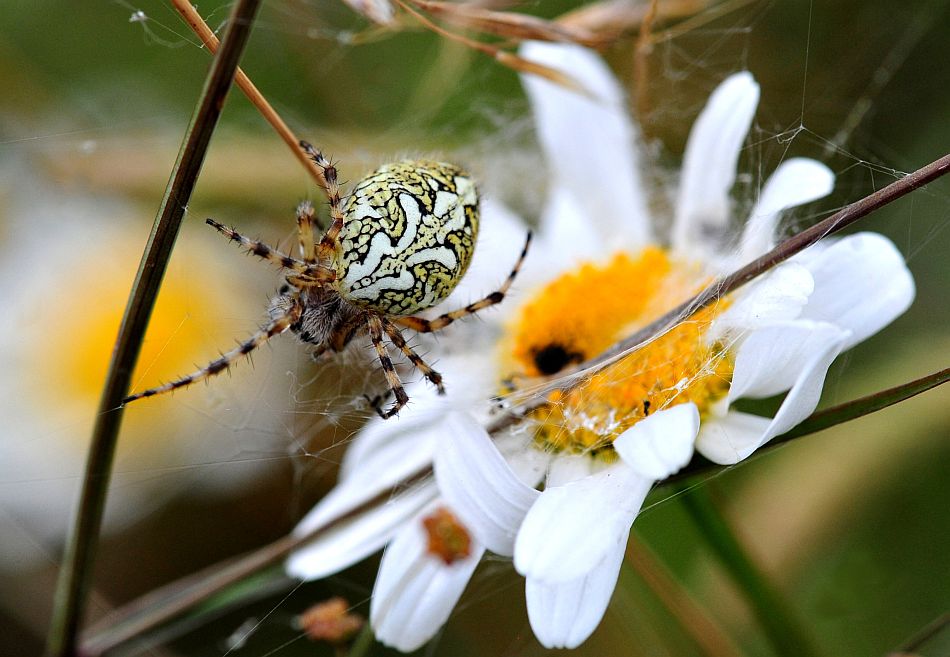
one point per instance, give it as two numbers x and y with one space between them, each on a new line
228 465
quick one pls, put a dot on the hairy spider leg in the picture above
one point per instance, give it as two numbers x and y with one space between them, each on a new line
261 250
376 335
397 339
329 241
422 325
308 247
277 326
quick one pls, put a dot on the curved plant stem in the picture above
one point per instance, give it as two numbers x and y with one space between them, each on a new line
781 625
74 580
203 32
363 643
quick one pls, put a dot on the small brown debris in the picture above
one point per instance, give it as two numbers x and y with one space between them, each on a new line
330 621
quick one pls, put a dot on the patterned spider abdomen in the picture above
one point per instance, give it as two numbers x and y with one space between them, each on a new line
408 236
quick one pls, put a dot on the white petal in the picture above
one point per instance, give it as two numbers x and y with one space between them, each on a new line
566 232
803 398
590 143
779 295
771 359
415 592
709 163
861 284
732 439
564 614
566 468
661 443
728 439
572 528
400 445
795 182
527 462
355 540
477 483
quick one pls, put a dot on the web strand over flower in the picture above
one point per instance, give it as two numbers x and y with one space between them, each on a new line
785 250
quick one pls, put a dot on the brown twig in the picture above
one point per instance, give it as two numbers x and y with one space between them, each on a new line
507 24
503 57
201 29
641 67
74 581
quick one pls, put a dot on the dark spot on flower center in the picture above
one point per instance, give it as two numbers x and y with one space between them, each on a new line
554 358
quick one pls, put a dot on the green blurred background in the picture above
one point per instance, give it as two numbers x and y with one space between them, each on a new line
851 525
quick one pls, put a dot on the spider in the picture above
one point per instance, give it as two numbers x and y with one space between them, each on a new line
399 244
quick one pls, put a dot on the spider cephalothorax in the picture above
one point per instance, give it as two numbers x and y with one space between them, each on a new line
400 244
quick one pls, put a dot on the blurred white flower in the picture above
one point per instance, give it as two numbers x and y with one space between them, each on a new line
66 269
596 274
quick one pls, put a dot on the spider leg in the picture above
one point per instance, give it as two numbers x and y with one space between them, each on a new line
397 339
328 242
376 335
277 326
319 352
422 325
305 232
261 250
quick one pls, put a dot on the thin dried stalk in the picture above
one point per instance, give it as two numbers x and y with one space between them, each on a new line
503 57
507 24
380 12
699 20
613 18
641 67
201 29
76 574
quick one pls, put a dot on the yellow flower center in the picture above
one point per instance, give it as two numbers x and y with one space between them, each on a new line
69 350
583 312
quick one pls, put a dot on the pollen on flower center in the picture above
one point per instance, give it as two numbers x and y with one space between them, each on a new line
582 313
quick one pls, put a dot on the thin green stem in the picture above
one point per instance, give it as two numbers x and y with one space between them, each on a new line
74 580
363 642
830 417
779 621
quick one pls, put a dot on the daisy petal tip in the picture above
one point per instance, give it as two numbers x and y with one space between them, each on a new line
662 443
862 284
561 540
564 615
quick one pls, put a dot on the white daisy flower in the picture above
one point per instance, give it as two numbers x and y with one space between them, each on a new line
66 267
597 274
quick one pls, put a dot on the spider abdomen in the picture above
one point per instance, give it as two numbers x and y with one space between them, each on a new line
408 236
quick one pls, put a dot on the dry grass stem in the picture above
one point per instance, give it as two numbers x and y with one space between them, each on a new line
611 19
503 57
201 29
641 67
380 12
507 24
699 20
